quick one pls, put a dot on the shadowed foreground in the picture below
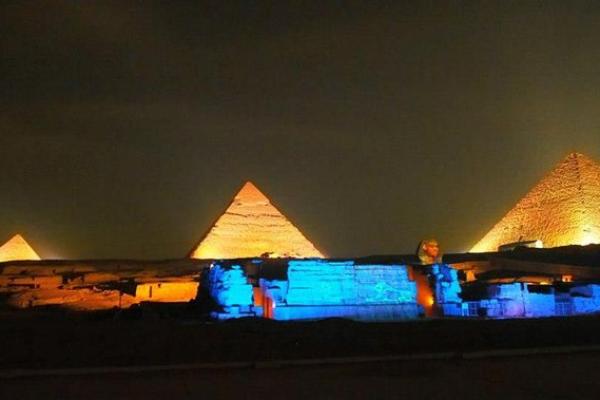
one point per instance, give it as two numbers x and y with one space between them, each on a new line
534 377
46 339
37 341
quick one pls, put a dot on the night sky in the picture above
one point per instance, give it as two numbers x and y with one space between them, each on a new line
126 127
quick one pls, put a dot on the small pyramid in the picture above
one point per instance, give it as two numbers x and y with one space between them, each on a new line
17 249
252 227
562 209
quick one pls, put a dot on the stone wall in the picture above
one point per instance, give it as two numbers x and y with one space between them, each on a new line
319 282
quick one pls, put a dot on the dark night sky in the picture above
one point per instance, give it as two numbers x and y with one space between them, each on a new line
126 127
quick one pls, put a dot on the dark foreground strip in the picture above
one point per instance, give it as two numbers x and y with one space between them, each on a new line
26 373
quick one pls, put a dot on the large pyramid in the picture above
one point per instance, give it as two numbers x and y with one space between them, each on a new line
17 249
563 209
252 227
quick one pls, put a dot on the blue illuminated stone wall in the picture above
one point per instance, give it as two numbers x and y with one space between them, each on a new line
523 300
316 289
365 313
514 300
323 289
585 299
446 288
320 282
229 289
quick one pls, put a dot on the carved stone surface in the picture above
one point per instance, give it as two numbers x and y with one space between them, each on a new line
429 252
563 209
318 282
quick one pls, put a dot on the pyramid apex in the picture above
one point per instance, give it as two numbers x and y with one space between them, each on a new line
253 227
562 209
249 192
17 239
17 248
575 155
578 160
249 185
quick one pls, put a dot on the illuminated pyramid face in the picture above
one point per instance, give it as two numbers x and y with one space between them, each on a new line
17 249
563 209
253 227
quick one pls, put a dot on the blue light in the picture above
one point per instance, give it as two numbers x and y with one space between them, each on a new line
323 289
316 289
229 286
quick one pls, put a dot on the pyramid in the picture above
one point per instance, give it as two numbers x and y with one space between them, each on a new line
252 227
17 249
563 209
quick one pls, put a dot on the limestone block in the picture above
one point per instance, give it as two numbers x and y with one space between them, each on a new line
320 282
17 249
252 227
562 209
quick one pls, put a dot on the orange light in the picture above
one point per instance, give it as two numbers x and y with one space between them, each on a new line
554 211
166 291
17 248
252 227
589 237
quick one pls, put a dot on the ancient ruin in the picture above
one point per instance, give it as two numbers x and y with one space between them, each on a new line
17 249
429 252
252 227
255 262
562 209
98 284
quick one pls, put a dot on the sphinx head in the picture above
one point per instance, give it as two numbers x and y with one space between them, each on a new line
429 252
